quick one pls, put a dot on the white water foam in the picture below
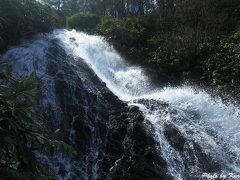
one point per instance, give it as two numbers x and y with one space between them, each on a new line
125 81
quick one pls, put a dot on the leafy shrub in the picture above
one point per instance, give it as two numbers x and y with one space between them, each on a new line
21 132
19 18
222 66
85 22
2 43
128 35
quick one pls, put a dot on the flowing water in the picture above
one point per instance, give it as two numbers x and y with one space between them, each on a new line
205 128
200 119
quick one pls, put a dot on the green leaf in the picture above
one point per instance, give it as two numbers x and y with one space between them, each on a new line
3 161
8 70
56 132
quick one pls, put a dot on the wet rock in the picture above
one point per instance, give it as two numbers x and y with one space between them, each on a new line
111 138
206 163
195 160
62 171
136 156
133 109
72 39
152 104
174 137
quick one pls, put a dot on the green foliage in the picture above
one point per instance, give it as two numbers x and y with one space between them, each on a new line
166 52
178 55
84 22
126 34
19 18
21 132
222 66
117 28
2 43
103 7
67 24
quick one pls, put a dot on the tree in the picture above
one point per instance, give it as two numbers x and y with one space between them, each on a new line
19 18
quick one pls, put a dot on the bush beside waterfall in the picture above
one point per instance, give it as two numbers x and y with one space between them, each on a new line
83 22
22 133
222 66
19 18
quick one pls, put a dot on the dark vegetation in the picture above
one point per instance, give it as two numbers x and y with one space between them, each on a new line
21 18
84 22
22 133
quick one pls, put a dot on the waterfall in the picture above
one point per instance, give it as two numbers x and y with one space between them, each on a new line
200 119
195 133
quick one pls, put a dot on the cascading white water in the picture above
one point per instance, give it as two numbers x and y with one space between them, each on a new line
214 126
125 81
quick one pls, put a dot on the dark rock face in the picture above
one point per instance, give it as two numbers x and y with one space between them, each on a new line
191 153
111 138
130 148
125 148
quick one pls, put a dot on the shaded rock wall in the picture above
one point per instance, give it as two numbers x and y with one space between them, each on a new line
111 138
